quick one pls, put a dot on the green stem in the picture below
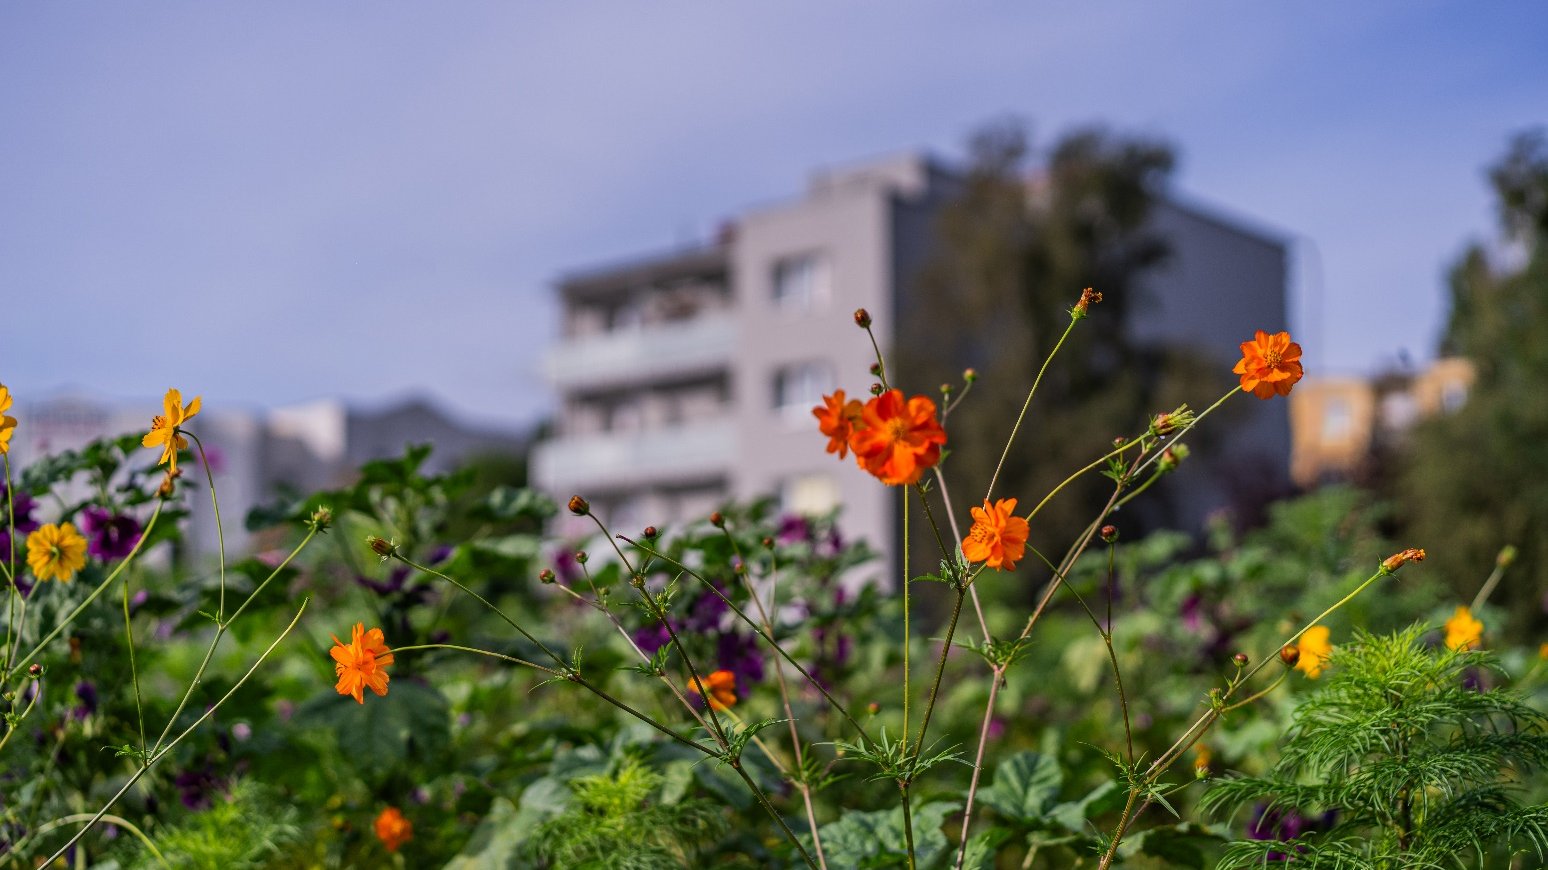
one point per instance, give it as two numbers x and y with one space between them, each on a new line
1016 427
111 819
134 673
220 531
158 753
559 660
482 652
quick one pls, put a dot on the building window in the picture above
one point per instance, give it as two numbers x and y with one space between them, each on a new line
809 495
801 282
800 387
1337 419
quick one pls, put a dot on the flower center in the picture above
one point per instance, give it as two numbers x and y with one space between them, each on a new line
897 429
159 422
1274 357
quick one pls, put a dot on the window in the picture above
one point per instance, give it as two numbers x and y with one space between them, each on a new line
809 495
801 282
800 387
1337 418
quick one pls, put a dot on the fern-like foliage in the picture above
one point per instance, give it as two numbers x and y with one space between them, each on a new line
251 827
1410 763
616 820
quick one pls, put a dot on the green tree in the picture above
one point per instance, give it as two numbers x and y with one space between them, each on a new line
1476 480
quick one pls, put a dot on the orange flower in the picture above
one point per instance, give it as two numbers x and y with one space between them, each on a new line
1270 364
998 537
838 420
1463 630
899 439
722 689
165 431
361 663
1314 649
392 828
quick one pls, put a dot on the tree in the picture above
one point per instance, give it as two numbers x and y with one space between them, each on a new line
1013 251
1476 480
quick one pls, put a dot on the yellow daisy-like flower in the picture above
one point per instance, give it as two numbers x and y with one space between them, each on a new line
1463 631
56 552
164 428
1314 649
7 422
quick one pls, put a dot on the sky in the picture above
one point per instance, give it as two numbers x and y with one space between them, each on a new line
268 203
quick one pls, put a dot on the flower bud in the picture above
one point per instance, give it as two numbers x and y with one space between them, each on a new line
876 369
862 318
1088 298
579 506
35 670
1172 457
1120 441
1398 560
1507 555
1240 659
383 548
945 389
876 389
768 543
1109 534
969 375
546 576
1290 654
322 518
168 484
717 519
651 533
581 557
873 708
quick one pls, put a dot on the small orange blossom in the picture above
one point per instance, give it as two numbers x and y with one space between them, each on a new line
164 428
838 419
56 552
362 663
998 537
1463 631
1314 649
393 829
1270 364
722 689
899 439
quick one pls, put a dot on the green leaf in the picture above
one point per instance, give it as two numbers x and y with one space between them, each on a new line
1025 787
1073 815
496 842
982 848
876 839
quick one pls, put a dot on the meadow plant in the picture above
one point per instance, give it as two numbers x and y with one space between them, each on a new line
748 675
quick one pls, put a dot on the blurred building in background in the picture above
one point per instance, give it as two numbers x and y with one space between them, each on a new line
257 456
688 378
1343 426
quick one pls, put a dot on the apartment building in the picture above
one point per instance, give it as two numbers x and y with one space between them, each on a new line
687 378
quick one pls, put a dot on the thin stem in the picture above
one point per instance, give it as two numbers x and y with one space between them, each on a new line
763 799
1016 427
596 690
159 752
111 819
95 593
220 531
1116 451
558 659
908 824
12 593
483 652
134 673
956 534
978 762
1488 587
906 638
940 670
16 723
220 631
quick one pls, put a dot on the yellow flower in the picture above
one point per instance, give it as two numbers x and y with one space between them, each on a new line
7 422
56 551
1314 649
164 429
1462 630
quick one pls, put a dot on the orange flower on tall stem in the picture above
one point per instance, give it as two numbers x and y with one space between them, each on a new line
1314 650
362 663
838 419
1270 365
164 428
899 439
1463 630
721 689
998 537
393 829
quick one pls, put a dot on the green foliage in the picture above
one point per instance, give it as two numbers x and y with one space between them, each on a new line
250 827
875 839
617 820
1416 765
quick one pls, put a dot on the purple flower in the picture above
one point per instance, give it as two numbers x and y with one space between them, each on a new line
566 567
652 637
739 655
109 536
706 612
1284 825
793 528
86 693
1192 612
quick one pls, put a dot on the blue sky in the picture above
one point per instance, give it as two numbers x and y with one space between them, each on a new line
272 202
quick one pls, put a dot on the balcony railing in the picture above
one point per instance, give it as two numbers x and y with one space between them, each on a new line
619 460
698 346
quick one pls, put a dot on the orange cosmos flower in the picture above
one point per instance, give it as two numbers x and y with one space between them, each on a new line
392 828
998 537
56 551
7 422
838 420
164 428
722 689
1270 364
899 439
1314 649
1463 630
361 663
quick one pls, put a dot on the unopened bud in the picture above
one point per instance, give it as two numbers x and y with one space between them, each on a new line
1172 457
1109 534
873 708
579 506
969 375
322 518
384 548
768 543
1398 560
546 576
581 557
651 532
876 389
876 369
35 670
1240 659
862 318
1120 441
1290 654
717 519
1507 555
945 389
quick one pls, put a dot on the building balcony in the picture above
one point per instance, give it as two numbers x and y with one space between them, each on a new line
621 460
699 346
